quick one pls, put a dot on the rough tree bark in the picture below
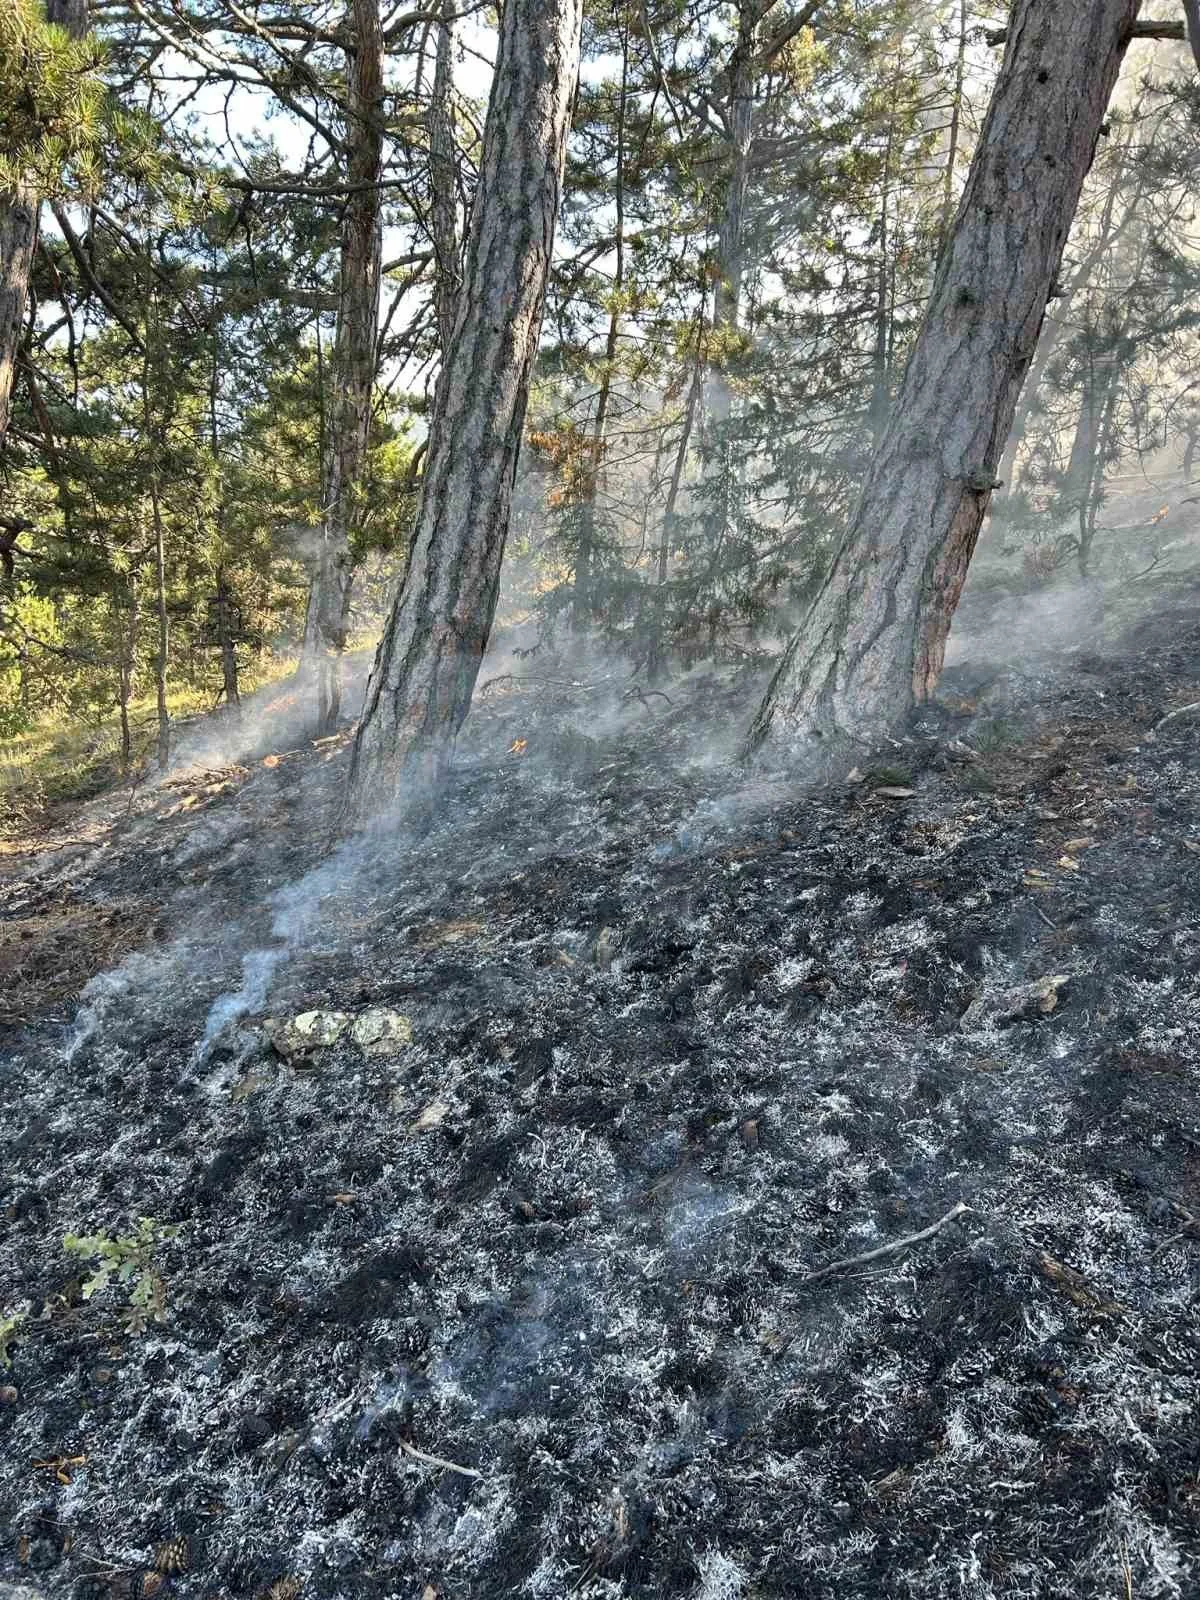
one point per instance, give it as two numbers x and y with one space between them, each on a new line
428 659
354 355
18 239
874 639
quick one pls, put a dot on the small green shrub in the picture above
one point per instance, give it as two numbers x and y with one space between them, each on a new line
129 1259
8 1332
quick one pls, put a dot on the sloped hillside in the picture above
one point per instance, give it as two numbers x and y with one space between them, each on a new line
658 1180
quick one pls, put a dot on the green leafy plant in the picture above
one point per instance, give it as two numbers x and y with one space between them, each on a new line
8 1332
129 1259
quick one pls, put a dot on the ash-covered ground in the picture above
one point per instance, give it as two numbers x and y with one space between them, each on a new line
682 1037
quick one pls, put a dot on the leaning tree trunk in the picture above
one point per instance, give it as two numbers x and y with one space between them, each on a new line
353 358
428 658
18 238
874 639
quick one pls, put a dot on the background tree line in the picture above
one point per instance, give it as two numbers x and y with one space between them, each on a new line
234 241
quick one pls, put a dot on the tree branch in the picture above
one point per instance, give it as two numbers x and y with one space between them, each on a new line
79 256
1140 30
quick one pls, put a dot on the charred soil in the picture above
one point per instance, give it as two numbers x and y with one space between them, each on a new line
526 1296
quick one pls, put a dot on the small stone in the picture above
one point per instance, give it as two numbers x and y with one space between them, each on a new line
432 1116
1038 998
299 1036
8 1395
380 1032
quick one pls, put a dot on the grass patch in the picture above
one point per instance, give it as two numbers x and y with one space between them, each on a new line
62 759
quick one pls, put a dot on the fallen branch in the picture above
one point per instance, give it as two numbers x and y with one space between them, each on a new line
1181 711
891 1249
438 1461
645 696
1174 31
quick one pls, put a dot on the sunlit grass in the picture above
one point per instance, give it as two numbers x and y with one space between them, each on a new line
64 758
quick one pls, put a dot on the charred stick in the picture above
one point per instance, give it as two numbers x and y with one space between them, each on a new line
892 1248
438 1461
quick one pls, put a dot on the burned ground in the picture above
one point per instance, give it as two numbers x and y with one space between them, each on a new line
682 1037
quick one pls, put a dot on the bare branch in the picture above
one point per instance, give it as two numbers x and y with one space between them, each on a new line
892 1248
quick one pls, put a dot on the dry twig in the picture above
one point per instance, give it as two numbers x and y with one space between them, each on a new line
438 1461
892 1248
1180 711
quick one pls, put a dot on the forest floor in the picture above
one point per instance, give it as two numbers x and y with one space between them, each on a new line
526 1265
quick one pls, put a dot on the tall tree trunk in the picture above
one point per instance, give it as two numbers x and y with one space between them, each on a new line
1103 245
229 667
160 658
723 465
874 639
18 239
960 65
126 630
443 180
881 364
727 292
428 659
1095 490
353 358
582 601
1191 10
667 533
1093 429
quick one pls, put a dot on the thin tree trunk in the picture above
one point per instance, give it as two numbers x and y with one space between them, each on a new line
582 602
1100 408
160 659
153 429
225 609
126 653
666 542
1189 454
353 359
443 177
874 639
1099 385
960 64
428 658
1052 327
742 77
670 510
722 474
229 667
